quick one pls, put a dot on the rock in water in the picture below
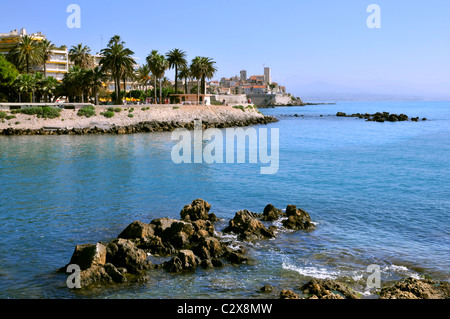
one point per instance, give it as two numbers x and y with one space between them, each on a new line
411 288
137 230
327 289
185 260
198 209
124 253
271 213
298 219
248 227
288 294
89 255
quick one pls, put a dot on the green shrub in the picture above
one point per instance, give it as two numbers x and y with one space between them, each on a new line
45 111
114 109
88 111
9 117
108 114
130 115
2 114
131 110
240 107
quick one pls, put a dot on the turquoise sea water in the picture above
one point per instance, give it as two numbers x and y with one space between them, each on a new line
379 193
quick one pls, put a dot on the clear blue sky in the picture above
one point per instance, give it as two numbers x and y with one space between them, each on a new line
302 41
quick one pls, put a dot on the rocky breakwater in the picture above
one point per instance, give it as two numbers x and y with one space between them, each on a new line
141 127
190 242
381 117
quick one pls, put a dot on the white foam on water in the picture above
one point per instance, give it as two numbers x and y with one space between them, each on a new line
401 270
312 271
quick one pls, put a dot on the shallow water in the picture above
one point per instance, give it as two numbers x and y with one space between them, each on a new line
379 193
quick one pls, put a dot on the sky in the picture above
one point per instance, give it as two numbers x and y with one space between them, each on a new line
307 44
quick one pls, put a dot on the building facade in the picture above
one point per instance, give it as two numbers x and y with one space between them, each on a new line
56 66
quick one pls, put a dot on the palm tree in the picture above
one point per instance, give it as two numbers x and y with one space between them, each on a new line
201 69
158 65
118 61
46 48
143 76
209 71
74 83
116 40
96 78
48 87
25 83
176 59
26 52
185 73
80 56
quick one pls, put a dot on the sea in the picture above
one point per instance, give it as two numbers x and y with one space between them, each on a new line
378 193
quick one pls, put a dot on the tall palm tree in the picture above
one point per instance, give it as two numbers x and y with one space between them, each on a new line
209 70
26 52
116 40
46 48
197 72
117 60
201 69
80 56
185 73
158 65
127 73
176 59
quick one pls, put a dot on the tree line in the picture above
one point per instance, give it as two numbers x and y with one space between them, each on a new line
85 80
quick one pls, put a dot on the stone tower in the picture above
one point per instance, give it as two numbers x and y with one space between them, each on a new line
267 75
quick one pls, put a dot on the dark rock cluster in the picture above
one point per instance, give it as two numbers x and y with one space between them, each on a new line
190 242
381 117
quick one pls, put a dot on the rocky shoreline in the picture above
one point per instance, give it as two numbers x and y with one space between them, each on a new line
126 120
141 127
193 241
